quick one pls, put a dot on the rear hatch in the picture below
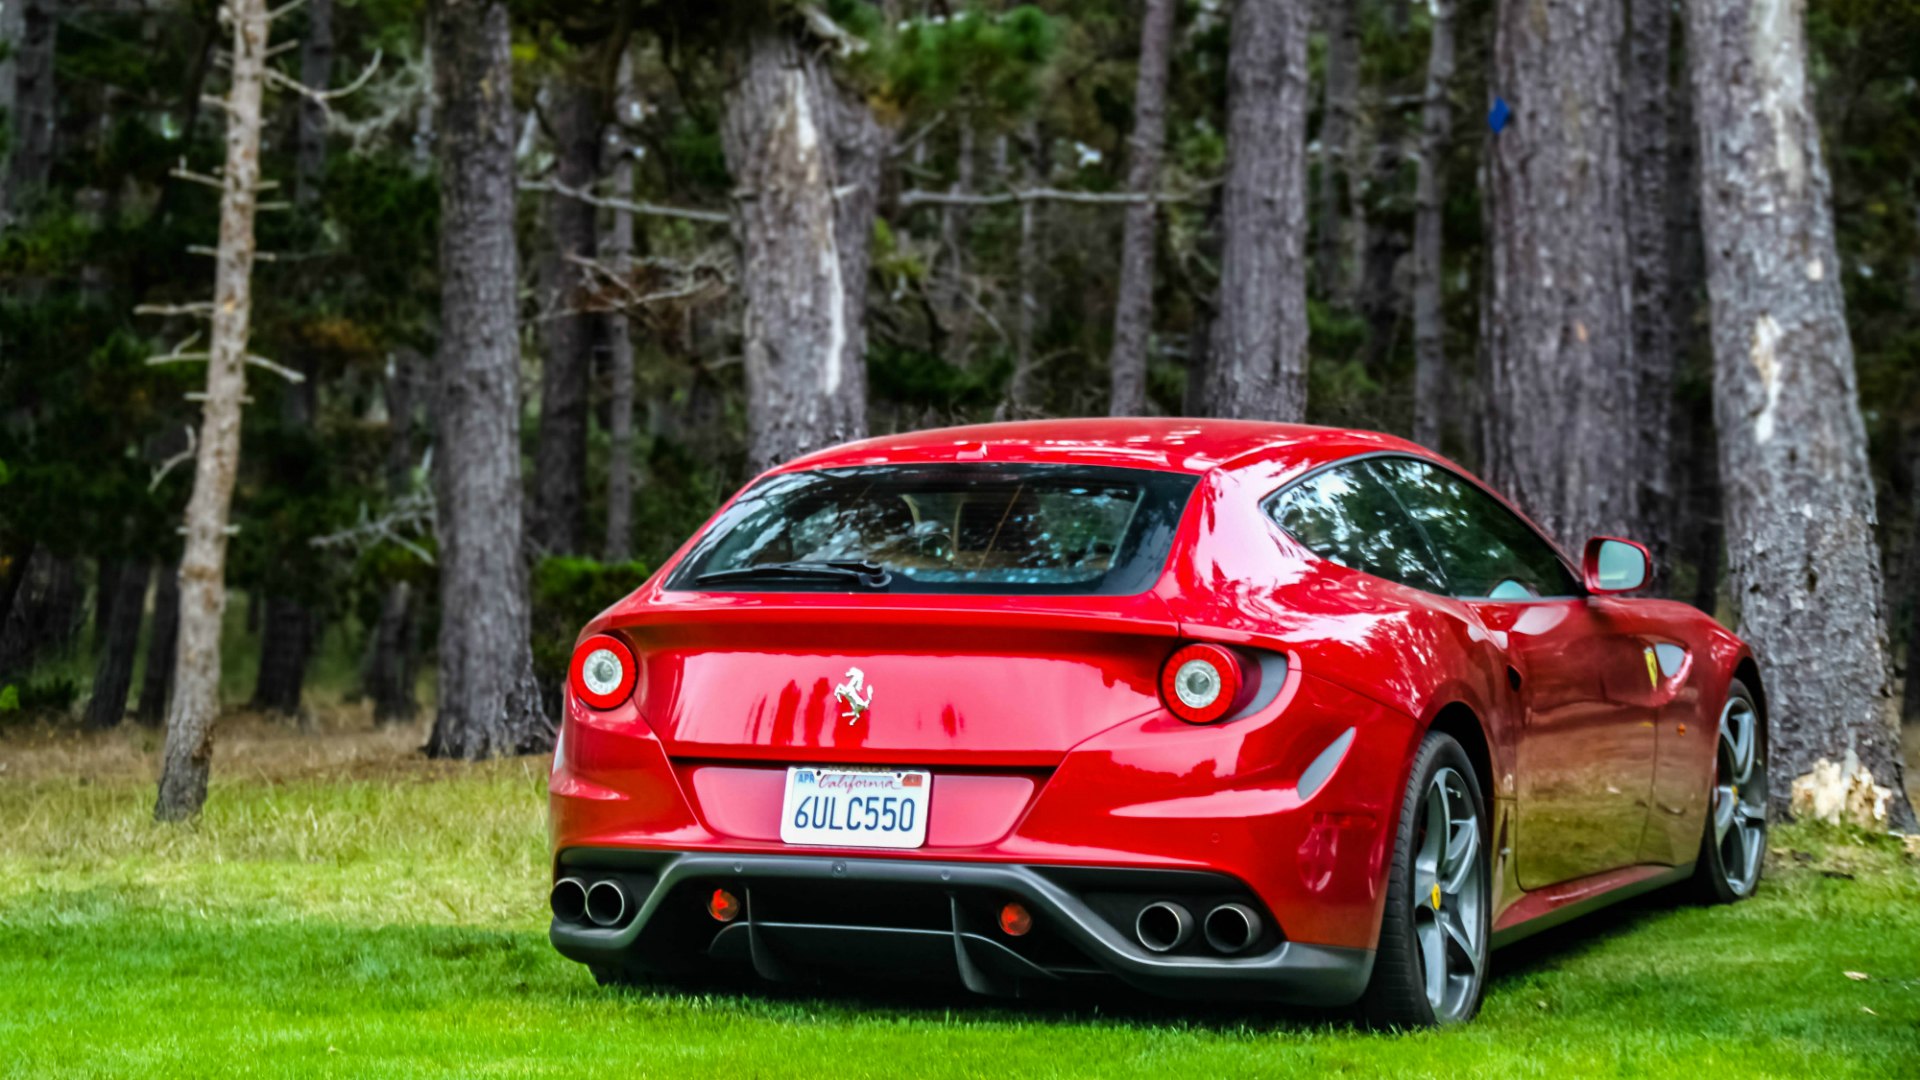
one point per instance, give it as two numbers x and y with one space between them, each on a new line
831 679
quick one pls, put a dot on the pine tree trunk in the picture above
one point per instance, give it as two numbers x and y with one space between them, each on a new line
1647 89
1023 389
954 220
31 120
46 613
1337 188
310 133
1133 307
1793 449
195 703
489 699
566 330
113 672
389 672
1562 387
158 680
1910 701
106 589
1258 364
1430 201
805 157
286 643
619 259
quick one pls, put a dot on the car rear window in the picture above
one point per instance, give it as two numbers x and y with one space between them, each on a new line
1016 529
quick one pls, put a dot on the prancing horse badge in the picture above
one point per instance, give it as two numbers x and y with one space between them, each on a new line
849 694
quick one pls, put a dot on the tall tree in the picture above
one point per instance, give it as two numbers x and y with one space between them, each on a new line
619 257
113 671
1258 363
158 680
1338 162
1023 390
575 113
1430 200
1646 91
289 627
489 699
188 755
804 153
1133 307
1793 448
31 29
1559 336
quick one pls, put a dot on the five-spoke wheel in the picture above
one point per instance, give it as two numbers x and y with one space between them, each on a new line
1431 965
1735 845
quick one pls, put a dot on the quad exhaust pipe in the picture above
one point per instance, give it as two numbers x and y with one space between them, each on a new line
1230 928
602 903
1163 926
568 900
606 903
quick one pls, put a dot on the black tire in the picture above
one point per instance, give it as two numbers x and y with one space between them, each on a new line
1712 883
1396 995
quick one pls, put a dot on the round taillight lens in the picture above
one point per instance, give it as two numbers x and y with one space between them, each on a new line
602 672
1200 683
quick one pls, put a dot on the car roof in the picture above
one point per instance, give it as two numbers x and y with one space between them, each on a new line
1164 444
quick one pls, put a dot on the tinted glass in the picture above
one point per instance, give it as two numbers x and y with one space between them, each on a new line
1046 529
1346 515
1484 549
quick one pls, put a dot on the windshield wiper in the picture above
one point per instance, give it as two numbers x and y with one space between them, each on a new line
866 575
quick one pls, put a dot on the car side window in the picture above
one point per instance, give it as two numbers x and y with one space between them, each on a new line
1346 515
1484 549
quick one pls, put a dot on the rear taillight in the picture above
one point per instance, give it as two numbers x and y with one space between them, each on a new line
1201 683
602 672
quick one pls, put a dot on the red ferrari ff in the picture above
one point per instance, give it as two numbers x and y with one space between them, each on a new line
1209 708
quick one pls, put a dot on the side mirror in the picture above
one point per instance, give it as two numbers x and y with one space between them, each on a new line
1613 565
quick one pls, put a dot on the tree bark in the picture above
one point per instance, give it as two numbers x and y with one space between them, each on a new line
1023 389
1338 167
619 258
1133 307
310 132
46 613
489 699
1646 90
1793 449
574 115
1430 200
113 671
286 643
33 115
1562 388
158 681
195 704
108 571
805 157
392 654
1910 701
954 219
1258 364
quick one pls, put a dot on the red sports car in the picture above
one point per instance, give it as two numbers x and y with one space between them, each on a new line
1209 708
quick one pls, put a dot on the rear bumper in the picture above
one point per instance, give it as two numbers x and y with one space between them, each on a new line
806 916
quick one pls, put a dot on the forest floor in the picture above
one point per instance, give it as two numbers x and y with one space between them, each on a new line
348 907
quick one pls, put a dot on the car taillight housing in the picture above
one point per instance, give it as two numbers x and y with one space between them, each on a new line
1201 683
602 671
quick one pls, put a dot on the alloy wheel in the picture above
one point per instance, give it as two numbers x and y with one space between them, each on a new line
1740 797
1449 897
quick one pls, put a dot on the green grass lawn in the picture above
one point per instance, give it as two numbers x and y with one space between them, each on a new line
345 908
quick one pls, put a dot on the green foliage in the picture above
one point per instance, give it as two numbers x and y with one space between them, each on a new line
48 696
567 593
989 63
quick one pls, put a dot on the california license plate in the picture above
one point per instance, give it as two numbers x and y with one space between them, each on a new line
856 808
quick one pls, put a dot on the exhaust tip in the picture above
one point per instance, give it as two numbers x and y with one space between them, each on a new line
606 903
568 900
1232 927
1162 926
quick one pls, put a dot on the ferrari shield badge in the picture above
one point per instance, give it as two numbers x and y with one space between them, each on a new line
849 694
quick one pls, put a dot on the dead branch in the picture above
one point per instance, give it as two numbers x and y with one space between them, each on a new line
200 309
166 466
284 372
917 197
716 217
414 512
320 97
